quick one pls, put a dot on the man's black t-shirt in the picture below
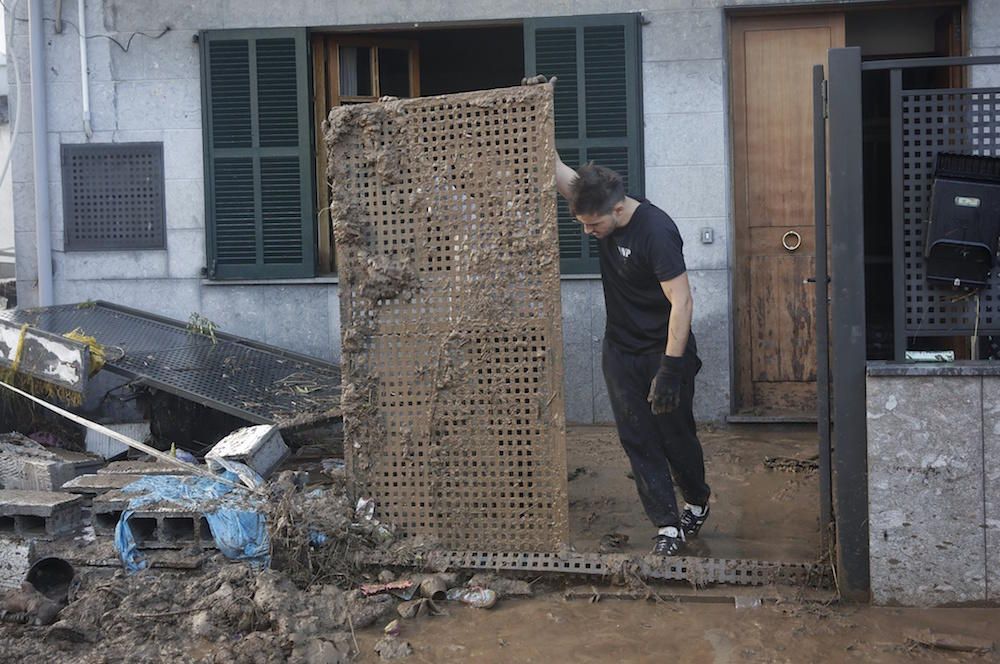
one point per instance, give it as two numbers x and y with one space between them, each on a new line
634 260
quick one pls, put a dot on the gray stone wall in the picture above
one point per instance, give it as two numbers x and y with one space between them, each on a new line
934 489
152 93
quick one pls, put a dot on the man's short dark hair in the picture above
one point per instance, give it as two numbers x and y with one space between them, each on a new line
596 190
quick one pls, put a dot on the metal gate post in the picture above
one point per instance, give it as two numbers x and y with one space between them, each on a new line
822 308
850 444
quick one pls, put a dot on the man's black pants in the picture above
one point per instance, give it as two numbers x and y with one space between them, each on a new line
657 445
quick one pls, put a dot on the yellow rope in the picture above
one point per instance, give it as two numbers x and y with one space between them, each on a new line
20 347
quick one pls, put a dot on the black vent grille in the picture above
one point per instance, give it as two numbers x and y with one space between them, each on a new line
113 196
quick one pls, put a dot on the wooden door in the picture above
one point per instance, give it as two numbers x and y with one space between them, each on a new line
772 113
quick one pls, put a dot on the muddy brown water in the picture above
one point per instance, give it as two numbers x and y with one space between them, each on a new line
757 513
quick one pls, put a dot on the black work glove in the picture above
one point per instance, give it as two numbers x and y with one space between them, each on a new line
665 392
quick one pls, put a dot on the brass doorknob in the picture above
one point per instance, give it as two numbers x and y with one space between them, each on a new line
789 238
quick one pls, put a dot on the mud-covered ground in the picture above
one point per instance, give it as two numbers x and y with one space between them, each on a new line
550 629
308 609
758 511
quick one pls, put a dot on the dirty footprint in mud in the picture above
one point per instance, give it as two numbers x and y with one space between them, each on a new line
612 542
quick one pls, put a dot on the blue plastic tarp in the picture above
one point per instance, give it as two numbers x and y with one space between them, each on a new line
234 515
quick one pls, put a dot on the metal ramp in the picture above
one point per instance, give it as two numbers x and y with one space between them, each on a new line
251 380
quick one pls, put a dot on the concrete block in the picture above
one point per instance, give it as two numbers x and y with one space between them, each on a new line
167 104
578 383
925 490
576 315
94 485
619 6
183 155
699 256
984 23
174 55
685 139
38 514
260 447
27 291
185 203
107 447
22 162
694 86
602 402
26 465
682 35
15 561
25 257
710 290
991 478
689 191
23 194
173 298
186 252
985 76
305 304
301 13
130 66
143 468
156 528
99 265
153 15
238 310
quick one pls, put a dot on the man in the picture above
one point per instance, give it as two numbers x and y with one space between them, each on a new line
649 357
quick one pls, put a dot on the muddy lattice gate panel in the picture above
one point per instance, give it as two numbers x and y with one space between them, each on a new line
445 220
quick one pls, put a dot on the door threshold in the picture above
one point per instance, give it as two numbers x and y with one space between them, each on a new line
744 418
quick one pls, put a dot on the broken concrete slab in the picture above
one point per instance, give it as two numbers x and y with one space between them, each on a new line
38 514
143 468
94 485
27 465
258 447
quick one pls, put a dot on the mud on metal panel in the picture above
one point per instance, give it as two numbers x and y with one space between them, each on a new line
445 220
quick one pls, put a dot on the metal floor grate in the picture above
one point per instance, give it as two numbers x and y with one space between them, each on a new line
247 379
697 571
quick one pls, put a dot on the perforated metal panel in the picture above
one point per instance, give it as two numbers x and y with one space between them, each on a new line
697 571
964 121
113 196
447 244
257 382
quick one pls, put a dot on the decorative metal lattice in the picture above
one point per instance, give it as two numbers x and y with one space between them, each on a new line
113 196
445 220
964 121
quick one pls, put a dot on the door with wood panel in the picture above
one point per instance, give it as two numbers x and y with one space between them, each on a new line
771 60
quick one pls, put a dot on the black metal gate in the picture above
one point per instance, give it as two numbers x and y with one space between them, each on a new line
923 123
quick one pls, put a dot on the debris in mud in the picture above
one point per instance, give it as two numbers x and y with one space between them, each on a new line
575 473
791 464
391 647
955 642
612 542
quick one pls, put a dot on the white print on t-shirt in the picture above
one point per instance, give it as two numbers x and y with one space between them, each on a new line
625 252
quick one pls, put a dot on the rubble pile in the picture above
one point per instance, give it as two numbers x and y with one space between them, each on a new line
192 603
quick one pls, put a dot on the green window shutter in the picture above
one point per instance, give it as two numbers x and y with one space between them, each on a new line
260 221
598 106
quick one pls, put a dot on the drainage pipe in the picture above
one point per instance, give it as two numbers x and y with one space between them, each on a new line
82 18
40 152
